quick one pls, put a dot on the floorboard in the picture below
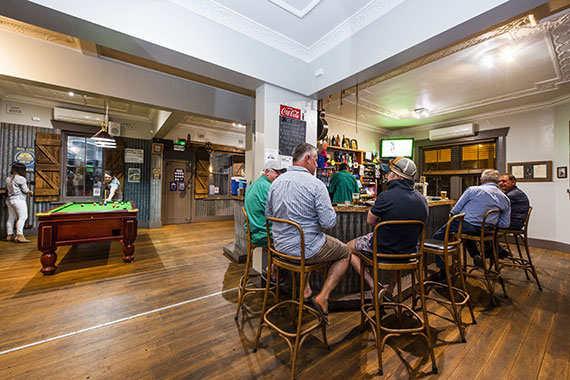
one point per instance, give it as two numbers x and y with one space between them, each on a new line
525 337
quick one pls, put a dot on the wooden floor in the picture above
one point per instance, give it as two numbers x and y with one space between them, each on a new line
95 306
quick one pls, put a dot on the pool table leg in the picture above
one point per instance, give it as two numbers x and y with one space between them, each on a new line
48 259
128 252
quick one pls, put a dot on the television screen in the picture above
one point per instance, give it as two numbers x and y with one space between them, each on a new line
390 148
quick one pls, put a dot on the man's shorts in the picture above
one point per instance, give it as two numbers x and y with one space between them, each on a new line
332 250
364 244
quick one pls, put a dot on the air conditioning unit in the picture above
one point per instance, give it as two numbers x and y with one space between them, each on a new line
78 117
114 128
452 132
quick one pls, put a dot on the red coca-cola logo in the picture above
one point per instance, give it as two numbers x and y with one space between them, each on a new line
291 112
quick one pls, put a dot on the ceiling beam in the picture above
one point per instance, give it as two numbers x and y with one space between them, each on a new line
169 124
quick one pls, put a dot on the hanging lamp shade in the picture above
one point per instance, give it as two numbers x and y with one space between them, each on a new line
104 139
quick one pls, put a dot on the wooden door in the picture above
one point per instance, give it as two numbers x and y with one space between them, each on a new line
48 166
176 199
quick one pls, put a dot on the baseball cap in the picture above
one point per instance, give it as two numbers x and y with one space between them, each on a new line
273 164
401 166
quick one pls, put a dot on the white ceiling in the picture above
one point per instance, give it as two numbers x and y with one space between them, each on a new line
476 78
305 29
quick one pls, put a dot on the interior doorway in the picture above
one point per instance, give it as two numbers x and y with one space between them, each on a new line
177 206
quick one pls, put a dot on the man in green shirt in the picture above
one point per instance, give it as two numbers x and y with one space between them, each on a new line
342 185
255 198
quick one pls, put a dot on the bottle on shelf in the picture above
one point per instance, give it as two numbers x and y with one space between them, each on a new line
338 141
343 141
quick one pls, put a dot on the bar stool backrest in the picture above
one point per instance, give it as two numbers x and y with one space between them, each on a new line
299 260
526 221
400 256
453 241
484 224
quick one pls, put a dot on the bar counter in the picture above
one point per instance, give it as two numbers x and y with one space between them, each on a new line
350 224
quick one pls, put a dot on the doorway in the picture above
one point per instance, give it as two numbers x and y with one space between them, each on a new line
177 206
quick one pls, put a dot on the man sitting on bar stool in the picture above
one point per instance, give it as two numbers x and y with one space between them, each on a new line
400 202
475 202
302 198
255 200
519 204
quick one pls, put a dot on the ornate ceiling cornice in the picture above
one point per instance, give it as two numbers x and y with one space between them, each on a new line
37 32
559 31
222 15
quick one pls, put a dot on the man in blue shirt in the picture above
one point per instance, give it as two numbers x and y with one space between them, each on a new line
302 198
400 202
475 202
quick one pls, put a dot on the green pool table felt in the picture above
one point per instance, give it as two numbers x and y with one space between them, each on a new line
90 207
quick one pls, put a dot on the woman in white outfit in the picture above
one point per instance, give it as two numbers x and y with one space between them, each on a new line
17 187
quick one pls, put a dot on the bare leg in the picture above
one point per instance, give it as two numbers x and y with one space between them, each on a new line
355 261
336 271
308 292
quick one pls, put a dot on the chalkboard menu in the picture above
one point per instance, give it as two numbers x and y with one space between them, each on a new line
291 133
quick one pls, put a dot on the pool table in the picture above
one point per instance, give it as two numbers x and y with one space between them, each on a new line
84 222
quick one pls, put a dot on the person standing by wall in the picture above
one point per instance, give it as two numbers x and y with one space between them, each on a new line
17 187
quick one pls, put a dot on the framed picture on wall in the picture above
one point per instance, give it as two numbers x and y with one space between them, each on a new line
562 172
157 148
535 171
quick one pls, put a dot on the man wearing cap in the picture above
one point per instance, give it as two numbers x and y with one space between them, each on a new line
475 202
343 185
255 199
399 202
300 197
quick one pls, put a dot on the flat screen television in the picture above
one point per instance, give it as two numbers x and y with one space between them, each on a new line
390 148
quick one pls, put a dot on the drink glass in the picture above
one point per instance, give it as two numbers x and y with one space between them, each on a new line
355 198
443 195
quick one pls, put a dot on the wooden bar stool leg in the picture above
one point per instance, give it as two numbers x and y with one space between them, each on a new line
526 270
533 269
456 314
377 335
362 296
427 335
243 282
265 296
464 288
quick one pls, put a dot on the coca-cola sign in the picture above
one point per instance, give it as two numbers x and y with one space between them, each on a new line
291 112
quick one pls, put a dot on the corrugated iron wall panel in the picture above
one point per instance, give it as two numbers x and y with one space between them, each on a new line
12 136
218 207
140 192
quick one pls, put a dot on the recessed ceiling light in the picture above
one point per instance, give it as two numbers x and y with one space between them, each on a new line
71 93
488 61
421 112
507 54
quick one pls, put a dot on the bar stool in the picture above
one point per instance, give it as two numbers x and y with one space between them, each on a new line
370 312
519 262
449 251
489 277
295 264
244 289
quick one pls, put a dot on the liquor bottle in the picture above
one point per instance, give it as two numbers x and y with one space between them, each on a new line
333 141
338 142
343 141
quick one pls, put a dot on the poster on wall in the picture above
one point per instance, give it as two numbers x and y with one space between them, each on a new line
173 186
178 175
134 175
134 156
25 156
291 133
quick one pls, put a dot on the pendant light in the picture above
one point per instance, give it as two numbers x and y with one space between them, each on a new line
102 138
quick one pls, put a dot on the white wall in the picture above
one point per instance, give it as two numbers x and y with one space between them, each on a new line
537 135
208 135
367 138
267 102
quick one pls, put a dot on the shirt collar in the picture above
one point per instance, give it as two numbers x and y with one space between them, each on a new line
403 183
490 184
295 168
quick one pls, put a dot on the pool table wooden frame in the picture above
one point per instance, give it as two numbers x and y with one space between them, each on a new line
66 228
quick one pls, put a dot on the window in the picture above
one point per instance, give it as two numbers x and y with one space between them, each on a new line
84 169
220 165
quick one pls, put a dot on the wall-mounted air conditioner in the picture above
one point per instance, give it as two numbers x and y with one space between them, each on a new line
78 117
452 132
114 128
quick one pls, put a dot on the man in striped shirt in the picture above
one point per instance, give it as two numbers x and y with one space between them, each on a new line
300 197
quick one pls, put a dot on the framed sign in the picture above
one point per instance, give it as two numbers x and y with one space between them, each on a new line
157 148
134 156
25 156
536 171
134 175
562 172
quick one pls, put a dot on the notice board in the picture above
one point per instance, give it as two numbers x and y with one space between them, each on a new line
291 133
